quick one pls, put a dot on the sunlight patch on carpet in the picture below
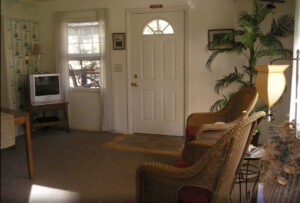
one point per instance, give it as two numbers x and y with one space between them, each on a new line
44 194
158 144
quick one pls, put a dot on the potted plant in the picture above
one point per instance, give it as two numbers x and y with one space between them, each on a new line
93 65
251 43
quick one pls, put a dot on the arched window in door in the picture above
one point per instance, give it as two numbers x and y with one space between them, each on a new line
158 27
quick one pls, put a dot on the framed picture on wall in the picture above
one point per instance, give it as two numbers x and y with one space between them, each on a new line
219 34
118 41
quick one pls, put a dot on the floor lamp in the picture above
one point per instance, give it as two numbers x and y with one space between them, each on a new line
271 82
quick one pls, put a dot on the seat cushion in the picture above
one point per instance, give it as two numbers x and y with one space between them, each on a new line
190 132
192 194
182 164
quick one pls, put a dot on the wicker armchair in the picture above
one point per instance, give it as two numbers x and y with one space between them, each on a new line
201 126
215 171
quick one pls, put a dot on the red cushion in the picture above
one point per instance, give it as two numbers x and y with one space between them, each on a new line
191 131
182 164
192 194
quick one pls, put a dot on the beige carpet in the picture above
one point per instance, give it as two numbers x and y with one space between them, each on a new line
158 144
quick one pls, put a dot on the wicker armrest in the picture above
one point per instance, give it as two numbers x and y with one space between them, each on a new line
209 134
198 119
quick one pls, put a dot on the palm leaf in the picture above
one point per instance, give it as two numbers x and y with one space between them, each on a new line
219 104
283 26
250 72
272 47
259 11
228 80
237 48
226 39
275 53
260 106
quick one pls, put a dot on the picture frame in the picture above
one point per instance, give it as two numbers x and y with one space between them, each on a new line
118 41
218 33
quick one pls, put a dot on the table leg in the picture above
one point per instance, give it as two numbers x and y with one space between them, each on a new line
246 186
240 186
66 117
257 177
29 147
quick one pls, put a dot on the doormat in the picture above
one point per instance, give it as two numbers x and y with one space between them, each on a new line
158 144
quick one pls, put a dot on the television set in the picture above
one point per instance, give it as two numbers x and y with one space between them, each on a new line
45 89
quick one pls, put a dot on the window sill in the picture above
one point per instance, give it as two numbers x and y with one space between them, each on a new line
82 89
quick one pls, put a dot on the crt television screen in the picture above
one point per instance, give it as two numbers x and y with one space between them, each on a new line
48 85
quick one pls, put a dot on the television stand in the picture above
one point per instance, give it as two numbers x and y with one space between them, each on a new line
52 120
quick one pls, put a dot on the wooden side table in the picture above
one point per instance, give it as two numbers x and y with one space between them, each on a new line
21 117
48 121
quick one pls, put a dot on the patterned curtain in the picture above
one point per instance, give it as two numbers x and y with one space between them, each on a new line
22 35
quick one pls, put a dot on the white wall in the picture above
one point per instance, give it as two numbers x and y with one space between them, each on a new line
84 110
202 15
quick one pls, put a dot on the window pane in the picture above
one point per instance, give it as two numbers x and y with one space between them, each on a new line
88 63
96 30
85 35
95 35
158 27
72 35
169 30
147 31
73 39
86 48
84 77
95 38
162 24
73 49
153 25
73 72
75 64
95 48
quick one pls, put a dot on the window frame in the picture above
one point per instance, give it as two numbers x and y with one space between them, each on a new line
158 30
86 56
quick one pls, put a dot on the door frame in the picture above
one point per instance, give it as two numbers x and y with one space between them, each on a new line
129 14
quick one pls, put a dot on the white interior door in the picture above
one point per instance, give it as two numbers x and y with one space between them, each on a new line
158 73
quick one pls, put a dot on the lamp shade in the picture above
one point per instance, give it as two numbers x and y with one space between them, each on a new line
270 82
37 49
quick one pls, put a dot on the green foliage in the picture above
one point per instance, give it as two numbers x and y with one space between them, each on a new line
251 43
234 77
219 104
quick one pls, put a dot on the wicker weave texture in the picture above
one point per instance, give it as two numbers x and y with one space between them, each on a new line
7 130
241 103
215 170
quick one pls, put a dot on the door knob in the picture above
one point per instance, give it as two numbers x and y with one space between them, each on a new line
134 84
135 76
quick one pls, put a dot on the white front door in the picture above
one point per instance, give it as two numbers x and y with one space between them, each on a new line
158 73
